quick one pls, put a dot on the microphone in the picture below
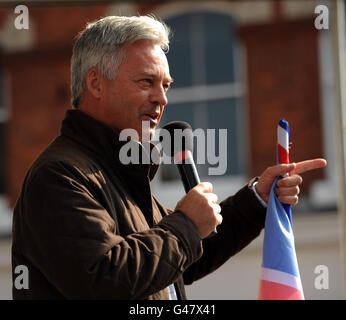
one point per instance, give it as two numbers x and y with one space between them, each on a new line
180 148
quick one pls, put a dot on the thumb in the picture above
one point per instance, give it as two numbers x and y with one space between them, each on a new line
280 170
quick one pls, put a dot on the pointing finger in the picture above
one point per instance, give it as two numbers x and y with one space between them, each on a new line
308 165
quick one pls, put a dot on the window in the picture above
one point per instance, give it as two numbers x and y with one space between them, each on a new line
207 92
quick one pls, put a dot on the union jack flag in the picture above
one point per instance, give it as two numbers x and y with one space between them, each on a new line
280 278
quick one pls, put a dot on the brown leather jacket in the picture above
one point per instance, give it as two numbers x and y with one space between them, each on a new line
87 227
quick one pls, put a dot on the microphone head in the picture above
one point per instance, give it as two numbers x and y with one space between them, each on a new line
176 137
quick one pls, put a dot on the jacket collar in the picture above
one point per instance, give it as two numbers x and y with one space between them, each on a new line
103 140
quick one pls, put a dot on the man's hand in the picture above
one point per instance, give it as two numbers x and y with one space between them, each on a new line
200 205
287 188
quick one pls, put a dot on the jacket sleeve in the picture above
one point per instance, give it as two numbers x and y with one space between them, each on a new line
243 220
71 239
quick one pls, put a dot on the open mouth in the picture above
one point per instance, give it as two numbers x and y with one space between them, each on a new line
152 116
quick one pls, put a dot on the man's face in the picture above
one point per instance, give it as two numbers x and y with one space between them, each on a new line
139 91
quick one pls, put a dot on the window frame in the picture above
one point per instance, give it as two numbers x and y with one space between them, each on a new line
171 191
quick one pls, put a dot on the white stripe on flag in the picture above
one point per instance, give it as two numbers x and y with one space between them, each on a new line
282 278
283 138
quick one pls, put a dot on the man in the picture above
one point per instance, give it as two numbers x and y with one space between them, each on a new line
86 225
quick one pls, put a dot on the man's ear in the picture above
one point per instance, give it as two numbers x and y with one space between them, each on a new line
94 83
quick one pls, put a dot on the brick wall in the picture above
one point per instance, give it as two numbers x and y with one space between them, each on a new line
40 85
283 81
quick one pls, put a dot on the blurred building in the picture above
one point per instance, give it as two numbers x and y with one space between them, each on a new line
237 65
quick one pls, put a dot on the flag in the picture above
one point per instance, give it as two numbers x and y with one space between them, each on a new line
280 279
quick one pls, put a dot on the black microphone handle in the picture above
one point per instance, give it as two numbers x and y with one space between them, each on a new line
189 175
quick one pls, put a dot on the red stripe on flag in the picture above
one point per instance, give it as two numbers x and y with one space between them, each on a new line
283 155
275 291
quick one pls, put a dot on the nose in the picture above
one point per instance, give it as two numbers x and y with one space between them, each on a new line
158 95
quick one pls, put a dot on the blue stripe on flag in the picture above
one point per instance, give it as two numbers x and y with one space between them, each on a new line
284 125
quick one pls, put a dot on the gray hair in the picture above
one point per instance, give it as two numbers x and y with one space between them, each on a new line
99 46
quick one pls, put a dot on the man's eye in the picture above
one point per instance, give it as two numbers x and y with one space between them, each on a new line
148 81
167 85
